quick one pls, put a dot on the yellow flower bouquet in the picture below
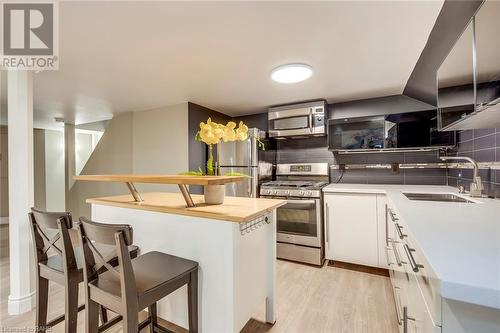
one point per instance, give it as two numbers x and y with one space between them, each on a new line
211 133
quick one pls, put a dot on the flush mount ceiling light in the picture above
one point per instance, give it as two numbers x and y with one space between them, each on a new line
291 73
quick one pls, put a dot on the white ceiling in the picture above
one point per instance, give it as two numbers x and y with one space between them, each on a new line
126 56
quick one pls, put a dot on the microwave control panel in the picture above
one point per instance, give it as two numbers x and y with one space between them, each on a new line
318 116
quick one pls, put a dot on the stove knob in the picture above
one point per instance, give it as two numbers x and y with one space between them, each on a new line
301 192
274 192
308 193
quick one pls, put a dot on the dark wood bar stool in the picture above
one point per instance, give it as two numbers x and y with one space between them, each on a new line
134 284
58 260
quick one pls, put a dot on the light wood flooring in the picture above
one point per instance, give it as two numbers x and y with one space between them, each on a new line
309 300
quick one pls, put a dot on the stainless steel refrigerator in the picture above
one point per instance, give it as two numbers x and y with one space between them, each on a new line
245 157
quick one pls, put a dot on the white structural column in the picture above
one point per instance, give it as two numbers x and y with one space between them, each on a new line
21 190
69 160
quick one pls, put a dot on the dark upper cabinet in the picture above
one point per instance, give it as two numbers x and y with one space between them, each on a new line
455 81
487 26
400 131
468 80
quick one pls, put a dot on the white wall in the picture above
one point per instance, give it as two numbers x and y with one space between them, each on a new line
84 148
39 168
154 141
54 170
160 143
39 171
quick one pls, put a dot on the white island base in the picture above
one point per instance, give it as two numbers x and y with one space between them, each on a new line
237 263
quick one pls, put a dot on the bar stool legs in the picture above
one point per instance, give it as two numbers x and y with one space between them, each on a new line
42 297
91 317
153 317
71 307
193 302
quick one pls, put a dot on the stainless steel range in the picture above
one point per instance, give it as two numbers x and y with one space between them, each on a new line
300 221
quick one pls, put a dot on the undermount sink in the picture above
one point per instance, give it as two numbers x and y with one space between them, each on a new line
443 197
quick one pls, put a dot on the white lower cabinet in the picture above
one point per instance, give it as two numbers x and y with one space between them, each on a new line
411 309
365 229
353 230
417 315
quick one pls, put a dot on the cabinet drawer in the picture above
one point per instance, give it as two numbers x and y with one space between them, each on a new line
416 265
351 227
426 280
416 315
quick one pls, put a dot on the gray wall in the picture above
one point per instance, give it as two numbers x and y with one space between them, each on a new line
39 168
483 145
377 106
4 173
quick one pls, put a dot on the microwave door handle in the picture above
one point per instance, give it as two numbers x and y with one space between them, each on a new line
311 119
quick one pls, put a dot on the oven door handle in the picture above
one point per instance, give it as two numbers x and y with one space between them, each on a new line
303 201
312 202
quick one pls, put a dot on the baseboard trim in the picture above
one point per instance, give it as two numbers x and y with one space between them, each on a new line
359 268
18 305
4 220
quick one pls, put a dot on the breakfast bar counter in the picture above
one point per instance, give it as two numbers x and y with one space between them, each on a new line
234 209
234 244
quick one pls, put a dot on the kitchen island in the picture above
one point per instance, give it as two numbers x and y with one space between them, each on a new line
234 244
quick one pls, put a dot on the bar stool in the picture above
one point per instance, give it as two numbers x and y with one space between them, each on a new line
134 284
58 260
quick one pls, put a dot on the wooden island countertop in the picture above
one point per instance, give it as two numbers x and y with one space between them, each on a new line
163 179
234 209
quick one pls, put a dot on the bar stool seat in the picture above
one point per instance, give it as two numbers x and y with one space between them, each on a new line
56 262
135 284
149 282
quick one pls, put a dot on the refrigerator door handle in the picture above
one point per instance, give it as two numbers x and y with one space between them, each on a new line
250 180
249 151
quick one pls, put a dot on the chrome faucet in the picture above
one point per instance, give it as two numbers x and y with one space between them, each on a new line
476 187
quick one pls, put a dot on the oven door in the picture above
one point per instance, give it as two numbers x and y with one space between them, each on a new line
299 222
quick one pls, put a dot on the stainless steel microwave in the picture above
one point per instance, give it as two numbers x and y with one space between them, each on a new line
298 120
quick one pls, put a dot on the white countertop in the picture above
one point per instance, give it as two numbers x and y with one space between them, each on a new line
460 241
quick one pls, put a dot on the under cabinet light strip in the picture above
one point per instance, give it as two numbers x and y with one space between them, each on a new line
482 165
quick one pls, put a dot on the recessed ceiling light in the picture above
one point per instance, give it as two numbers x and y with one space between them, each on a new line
291 73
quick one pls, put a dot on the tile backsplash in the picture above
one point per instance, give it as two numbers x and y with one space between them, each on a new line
483 145
316 150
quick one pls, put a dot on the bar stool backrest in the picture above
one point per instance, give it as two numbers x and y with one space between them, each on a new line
50 233
94 234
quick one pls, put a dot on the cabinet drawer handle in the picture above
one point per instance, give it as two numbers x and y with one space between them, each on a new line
387 249
397 303
400 233
406 318
393 216
386 226
396 254
414 266
327 223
